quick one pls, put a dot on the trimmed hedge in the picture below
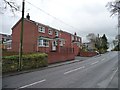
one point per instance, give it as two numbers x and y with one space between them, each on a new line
30 61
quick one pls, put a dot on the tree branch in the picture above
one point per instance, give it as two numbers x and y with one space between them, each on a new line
12 4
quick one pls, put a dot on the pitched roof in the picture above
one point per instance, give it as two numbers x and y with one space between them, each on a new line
32 22
20 21
40 24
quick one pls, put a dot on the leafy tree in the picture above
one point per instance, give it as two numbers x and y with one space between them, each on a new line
101 43
97 43
104 42
91 37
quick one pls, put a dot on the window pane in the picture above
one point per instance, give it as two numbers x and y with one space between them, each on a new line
45 43
41 29
56 33
50 32
40 42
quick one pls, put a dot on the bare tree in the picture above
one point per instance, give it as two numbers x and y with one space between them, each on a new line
91 37
114 7
9 4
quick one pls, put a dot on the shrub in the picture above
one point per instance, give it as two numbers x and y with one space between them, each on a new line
30 61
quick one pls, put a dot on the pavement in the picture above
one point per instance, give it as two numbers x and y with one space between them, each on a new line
95 72
77 59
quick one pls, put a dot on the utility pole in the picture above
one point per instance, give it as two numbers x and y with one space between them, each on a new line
21 36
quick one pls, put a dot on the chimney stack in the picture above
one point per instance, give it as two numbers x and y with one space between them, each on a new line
28 16
75 33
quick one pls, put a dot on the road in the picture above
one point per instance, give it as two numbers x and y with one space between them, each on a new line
95 72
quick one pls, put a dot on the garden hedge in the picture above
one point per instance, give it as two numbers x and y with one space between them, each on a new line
30 61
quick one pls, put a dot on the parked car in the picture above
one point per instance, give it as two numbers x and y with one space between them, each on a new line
97 52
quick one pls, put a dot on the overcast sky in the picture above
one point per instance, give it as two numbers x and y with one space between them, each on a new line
80 16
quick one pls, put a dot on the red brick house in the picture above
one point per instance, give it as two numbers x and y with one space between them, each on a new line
38 37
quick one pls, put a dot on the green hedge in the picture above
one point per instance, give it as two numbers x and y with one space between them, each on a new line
30 61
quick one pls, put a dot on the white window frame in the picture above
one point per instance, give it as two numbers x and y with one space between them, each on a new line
79 39
46 43
43 43
56 33
76 38
40 42
50 31
72 37
61 43
41 29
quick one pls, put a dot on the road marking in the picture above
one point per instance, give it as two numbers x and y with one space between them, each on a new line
103 59
33 83
94 63
114 74
74 70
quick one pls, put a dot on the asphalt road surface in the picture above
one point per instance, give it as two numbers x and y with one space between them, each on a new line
95 72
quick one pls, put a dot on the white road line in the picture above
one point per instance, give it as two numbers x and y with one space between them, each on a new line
94 63
74 70
103 59
114 74
33 83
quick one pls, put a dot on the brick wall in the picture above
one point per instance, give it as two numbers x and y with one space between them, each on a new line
87 54
29 37
76 49
54 57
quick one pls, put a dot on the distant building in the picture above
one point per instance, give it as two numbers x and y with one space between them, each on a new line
4 39
90 46
8 45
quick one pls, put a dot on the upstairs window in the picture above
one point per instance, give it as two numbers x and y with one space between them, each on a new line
56 33
76 38
41 29
79 39
72 37
50 31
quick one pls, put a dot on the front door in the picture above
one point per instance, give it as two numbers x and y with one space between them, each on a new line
54 44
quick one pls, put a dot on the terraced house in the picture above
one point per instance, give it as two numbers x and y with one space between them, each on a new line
38 37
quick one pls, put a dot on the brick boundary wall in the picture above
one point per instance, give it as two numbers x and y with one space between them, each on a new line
54 57
87 54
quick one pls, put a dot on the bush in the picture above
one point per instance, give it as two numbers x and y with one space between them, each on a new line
30 61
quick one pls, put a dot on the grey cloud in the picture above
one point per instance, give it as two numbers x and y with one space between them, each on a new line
85 17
